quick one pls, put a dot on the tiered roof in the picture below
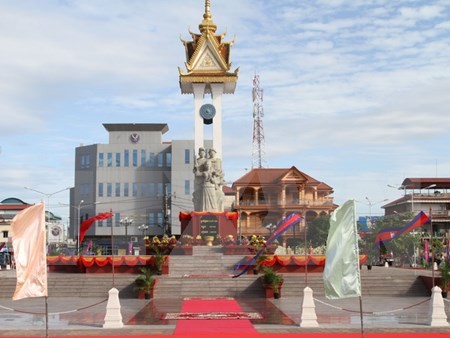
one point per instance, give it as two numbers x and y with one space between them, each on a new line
207 58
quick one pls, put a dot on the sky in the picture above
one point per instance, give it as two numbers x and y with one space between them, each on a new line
356 93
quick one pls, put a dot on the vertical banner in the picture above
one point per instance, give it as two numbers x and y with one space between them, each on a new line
29 241
341 274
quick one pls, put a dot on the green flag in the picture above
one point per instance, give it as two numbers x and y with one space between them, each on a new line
341 274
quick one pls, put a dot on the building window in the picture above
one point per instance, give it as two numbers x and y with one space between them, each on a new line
117 159
151 219
187 187
160 189
160 220
5 233
108 189
117 219
117 190
85 161
143 158
100 190
126 192
160 160
126 158
109 159
187 156
135 189
152 160
168 188
135 158
109 222
168 160
100 159
143 189
152 189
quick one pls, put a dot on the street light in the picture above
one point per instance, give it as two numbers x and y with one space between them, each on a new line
370 204
126 222
48 195
271 227
78 223
143 228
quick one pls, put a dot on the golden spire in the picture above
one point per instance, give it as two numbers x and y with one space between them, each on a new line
207 24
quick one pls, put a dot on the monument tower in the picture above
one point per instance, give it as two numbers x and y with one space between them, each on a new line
208 76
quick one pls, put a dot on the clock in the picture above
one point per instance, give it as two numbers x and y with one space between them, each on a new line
207 111
134 138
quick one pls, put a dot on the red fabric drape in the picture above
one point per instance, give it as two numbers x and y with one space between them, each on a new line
87 223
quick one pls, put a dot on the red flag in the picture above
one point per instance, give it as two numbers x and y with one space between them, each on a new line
87 223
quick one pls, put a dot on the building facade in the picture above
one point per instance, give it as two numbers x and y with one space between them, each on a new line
142 179
265 196
430 195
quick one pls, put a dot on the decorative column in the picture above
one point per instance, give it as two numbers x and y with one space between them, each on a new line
216 94
199 94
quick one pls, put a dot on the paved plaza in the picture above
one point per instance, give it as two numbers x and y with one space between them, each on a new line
85 316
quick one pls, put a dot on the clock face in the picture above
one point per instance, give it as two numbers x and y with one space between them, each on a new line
134 138
207 111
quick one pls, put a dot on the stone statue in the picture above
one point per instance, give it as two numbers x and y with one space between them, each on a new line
208 182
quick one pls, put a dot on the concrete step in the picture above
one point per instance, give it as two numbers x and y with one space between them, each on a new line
191 276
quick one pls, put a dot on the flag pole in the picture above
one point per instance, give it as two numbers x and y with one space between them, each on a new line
112 249
433 251
359 274
46 249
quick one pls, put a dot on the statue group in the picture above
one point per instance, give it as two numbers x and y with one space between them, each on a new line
208 182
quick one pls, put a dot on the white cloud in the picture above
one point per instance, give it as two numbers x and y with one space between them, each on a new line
369 77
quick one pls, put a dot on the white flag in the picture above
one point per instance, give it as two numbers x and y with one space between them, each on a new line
28 240
341 274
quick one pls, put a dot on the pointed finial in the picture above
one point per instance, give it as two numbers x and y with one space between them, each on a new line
207 24
207 9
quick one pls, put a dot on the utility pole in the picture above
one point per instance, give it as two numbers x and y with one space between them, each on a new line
166 208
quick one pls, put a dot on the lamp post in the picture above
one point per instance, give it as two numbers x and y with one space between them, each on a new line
271 227
78 225
46 194
370 204
143 228
126 222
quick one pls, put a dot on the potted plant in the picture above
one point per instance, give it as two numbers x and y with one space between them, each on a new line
144 283
445 276
158 262
272 281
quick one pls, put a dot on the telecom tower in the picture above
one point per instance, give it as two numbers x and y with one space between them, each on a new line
258 160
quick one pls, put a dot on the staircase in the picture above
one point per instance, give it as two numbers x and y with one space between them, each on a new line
207 273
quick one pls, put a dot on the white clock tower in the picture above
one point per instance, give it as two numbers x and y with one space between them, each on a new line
208 74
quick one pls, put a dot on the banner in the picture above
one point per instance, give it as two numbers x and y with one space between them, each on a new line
341 274
420 219
29 242
87 223
284 225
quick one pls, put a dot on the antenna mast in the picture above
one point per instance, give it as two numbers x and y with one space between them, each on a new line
258 160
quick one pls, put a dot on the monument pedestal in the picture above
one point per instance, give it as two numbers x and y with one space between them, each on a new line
206 224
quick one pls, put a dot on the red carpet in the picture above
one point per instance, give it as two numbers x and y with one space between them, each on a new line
212 326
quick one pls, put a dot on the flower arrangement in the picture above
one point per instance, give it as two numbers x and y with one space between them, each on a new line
229 240
186 240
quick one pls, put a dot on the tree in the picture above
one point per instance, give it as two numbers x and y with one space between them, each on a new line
317 231
402 247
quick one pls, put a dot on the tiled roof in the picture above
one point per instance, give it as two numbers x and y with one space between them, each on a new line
424 182
270 176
